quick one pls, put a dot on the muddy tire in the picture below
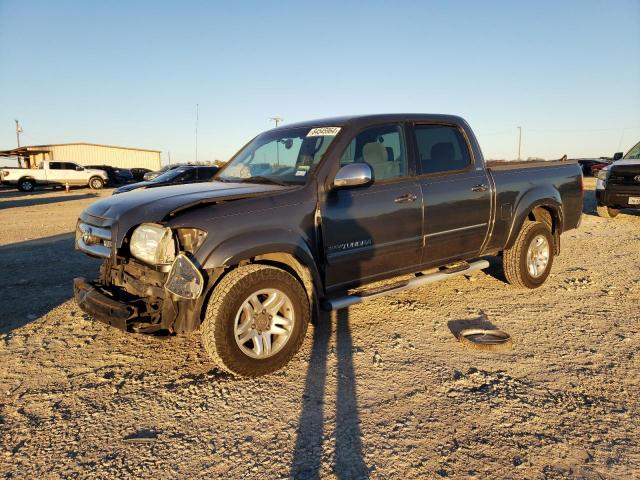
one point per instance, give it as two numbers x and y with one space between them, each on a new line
528 262
607 212
26 185
256 320
96 183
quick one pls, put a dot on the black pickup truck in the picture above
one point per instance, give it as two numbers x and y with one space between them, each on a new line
303 215
618 185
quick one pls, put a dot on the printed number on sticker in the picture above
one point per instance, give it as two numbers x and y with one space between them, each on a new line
323 131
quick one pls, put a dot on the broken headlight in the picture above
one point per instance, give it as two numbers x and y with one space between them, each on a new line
184 280
153 244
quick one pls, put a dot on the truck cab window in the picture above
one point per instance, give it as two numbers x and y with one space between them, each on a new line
382 147
441 148
55 166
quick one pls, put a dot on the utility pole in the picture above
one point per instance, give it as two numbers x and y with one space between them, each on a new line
169 153
519 141
277 120
18 132
197 118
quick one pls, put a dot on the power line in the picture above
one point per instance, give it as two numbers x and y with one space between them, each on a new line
197 119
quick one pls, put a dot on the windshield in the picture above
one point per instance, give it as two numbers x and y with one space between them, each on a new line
634 153
282 156
169 175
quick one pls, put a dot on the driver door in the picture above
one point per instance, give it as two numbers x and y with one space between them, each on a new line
373 231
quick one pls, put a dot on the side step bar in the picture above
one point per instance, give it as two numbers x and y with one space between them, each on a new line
348 300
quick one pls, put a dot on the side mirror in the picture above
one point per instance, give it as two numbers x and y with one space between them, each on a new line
353 175
617 156
79 168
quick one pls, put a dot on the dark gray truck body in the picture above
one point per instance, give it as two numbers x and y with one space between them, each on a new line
331 239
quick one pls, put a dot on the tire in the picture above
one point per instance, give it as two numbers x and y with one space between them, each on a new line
607 212
515 260
224 315
96 183
26 185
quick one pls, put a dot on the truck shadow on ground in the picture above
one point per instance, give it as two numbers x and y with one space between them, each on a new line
31 199
37 276
308 453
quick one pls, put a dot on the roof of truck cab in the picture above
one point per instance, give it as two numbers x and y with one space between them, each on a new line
362 120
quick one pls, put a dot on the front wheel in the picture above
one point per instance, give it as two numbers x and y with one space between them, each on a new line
256 320
607 212
528 262
96 183
26 185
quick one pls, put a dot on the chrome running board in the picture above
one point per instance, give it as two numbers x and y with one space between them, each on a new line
359 297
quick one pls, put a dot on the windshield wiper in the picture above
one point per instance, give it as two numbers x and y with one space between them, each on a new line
262 179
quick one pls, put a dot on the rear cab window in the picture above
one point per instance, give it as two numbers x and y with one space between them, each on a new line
441 148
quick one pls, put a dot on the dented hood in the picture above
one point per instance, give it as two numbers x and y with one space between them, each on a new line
124 211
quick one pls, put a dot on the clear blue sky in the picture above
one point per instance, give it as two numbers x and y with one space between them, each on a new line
131 72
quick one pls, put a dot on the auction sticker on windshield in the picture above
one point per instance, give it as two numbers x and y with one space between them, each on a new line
323 132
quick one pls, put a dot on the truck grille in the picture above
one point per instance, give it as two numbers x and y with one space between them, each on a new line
624 179
92 240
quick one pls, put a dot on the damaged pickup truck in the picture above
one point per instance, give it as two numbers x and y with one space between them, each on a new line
304 217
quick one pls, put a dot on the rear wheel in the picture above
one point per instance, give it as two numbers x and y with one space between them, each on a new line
96 183
607 212
26 185
528 262
256 320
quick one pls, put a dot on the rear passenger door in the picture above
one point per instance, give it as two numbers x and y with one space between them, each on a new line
456 192
375 230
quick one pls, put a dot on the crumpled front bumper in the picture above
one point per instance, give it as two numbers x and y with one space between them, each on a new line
102 307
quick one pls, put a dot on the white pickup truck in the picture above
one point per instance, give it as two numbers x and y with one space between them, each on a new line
53 173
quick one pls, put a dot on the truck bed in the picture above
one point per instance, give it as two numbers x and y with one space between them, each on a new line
502 165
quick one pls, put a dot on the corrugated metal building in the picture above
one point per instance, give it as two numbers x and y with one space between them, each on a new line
90 154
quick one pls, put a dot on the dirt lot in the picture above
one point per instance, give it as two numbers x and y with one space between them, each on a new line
382 390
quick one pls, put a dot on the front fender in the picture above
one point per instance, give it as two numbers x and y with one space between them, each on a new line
541 196
243 247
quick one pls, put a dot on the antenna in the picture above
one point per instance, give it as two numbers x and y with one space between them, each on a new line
276 120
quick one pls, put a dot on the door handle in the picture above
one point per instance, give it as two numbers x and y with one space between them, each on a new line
409 197
481 187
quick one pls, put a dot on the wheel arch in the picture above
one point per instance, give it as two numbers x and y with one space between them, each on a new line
278 248
27 177
539 204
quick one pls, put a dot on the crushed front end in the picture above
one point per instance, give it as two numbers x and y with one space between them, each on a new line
150 284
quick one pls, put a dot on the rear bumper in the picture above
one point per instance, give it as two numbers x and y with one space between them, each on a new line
94 302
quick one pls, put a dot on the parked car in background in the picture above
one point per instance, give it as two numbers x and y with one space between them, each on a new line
138 173
117 176
305 213
618 184
166 168
56 173
175 176
591 166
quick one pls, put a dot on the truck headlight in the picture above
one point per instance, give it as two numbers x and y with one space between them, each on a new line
153 244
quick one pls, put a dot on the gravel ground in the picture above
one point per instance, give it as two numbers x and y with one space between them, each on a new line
382 390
